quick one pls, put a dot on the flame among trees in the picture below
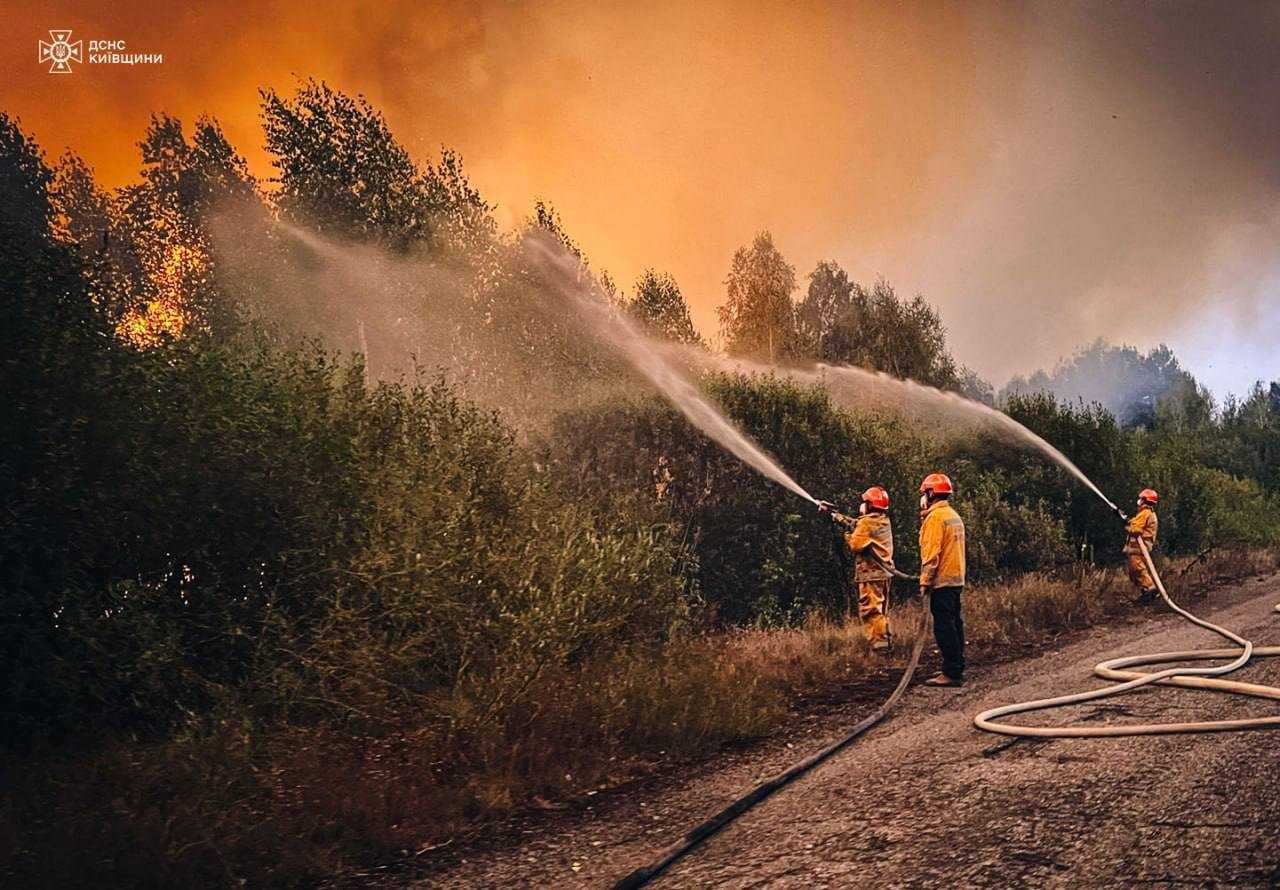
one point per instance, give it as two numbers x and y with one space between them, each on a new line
146 247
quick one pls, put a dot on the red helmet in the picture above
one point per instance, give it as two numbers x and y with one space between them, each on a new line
936 483
1149 495
877 497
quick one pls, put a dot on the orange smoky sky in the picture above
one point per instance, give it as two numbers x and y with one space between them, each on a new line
1044 173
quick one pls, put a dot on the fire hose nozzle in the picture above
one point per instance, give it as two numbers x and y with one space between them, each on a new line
826 507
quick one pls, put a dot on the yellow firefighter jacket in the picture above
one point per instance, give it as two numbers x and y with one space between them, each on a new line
1142 525
941 547
873 534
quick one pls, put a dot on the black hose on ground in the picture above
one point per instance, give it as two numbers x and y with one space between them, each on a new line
692 839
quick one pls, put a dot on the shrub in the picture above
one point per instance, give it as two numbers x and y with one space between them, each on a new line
760 553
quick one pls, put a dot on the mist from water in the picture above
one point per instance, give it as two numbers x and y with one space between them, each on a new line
670 368
645 355
369 272
860 380
859 388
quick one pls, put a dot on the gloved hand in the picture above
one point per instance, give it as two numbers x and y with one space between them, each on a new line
826 507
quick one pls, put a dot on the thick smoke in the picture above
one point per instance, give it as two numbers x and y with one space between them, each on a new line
1131 191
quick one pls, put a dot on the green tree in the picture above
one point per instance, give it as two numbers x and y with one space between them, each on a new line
343 173
82 210
59 372
463 219
828 315
1251 429
150 243
906 338
1090 437
842 322
199 175
972 386
758 317
88 220
546 219
660 306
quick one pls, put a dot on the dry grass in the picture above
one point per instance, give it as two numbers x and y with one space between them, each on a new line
289 807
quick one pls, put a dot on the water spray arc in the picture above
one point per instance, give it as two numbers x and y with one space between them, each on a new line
955 401
857 383
649 359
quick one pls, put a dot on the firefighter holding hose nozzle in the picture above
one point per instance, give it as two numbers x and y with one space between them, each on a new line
870 538
942 574
1143 525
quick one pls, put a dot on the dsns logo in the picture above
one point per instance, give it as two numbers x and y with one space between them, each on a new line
62 52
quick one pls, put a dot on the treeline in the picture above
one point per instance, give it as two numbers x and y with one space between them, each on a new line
223 534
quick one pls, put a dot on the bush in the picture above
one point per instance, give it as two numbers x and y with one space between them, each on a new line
471 577
264 527
759 552
1004 539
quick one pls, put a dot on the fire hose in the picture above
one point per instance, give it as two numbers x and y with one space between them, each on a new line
763 790
1117 669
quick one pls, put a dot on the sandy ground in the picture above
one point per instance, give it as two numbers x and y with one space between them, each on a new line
927 800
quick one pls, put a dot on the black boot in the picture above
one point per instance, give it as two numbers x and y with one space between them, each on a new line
1148 596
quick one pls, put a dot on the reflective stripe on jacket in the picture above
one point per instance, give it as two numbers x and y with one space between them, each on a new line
942 547
1143 525
873 534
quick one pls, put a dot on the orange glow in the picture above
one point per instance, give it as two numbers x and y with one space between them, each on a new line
1014 162
150 324
666 134
166 312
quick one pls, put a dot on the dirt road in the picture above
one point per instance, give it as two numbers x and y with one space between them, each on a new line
927 800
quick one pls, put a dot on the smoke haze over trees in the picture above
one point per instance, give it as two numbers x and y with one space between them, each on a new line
1134 387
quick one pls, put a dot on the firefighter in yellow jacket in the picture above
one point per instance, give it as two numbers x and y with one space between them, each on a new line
1142 526
942 574
870 538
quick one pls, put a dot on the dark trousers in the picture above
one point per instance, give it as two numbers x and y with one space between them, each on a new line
948 629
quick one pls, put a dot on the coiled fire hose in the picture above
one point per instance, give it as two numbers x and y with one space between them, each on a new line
1116 669
733 810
